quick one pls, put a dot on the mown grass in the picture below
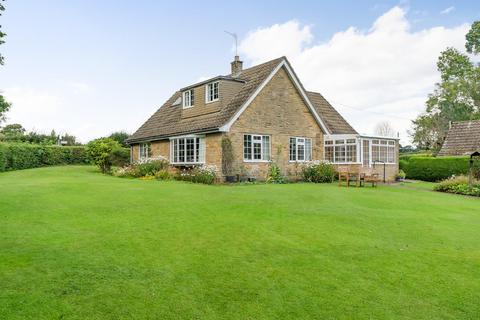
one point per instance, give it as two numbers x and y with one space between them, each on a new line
75 244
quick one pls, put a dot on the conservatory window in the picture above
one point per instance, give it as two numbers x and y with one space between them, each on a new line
383 151
341 150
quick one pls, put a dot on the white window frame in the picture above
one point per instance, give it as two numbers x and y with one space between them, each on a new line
211 87
141 150
345 143
187 97
200 151
261 136
297 143
383 143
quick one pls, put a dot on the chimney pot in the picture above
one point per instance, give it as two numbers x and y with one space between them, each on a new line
236 66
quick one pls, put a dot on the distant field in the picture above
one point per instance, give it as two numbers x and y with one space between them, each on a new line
75 244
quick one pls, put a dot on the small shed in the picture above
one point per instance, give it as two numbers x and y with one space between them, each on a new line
463 138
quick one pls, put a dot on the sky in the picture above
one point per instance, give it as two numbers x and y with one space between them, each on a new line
90 68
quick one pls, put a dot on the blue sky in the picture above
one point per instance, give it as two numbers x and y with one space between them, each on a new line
92 67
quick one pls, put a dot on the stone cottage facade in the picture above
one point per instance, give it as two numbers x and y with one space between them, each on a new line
267 116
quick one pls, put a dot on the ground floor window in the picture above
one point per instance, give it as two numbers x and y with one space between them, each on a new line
341 150
145 150
187 150
383 151
300 149
256 147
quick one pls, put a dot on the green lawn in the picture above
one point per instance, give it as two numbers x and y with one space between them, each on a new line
75 244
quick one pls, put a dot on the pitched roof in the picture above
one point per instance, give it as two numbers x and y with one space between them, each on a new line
463 138
167 120
335 122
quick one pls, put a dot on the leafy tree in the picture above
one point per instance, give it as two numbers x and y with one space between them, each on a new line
102 152
120 137
13 133
455 98
2 34
4 105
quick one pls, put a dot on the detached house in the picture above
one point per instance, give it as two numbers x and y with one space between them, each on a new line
268 116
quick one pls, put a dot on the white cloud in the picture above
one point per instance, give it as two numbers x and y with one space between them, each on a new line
447 10
381 74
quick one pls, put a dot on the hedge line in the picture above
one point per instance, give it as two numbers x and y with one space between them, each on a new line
434 168
16 156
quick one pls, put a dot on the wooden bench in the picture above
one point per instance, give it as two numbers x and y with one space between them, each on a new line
369 176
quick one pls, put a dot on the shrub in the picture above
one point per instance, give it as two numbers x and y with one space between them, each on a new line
202 174
319 172
435 168
274 175
120 157
163 175
150 167
401 174
102 153
16 156
459 185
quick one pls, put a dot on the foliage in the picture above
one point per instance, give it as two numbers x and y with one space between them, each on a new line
102 152
120 157
274 174
459 185
319 172
434 168
16 133
120 137
228 156
455 98
198 174
16 156
163 174
2 36
149 167
4 107
401 174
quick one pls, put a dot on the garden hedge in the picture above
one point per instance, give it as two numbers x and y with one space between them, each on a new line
16 156
434 168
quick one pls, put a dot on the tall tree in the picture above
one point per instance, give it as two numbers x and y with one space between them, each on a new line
455 98
4 104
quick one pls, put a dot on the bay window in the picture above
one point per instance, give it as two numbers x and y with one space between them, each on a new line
256 147
300 149
187 150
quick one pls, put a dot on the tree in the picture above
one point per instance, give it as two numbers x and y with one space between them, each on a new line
455 98
2 34
384 129
13 133
102 152
4 107
120 137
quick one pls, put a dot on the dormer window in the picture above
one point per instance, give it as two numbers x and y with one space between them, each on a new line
212 92
188 99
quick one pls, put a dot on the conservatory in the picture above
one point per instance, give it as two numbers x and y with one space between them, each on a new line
352 149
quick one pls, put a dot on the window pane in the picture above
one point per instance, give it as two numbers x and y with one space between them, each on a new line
190 150
328 142
293 149
191 98
391 154
266 147
375 153
300 152
308 149
181 150
257 150
350 140
247 147
351 153
329 154
366 152
340 153
339 141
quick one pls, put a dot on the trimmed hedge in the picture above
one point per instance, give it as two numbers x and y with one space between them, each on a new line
17 156
434 168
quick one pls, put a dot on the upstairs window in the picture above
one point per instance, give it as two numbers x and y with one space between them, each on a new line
188 98
300 149
145 151
256 147
212 92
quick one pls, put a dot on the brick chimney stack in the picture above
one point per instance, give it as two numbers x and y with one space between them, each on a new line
236 66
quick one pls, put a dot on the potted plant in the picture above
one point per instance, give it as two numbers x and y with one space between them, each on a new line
227 160
400 176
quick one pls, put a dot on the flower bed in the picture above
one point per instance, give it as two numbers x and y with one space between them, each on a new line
459 185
